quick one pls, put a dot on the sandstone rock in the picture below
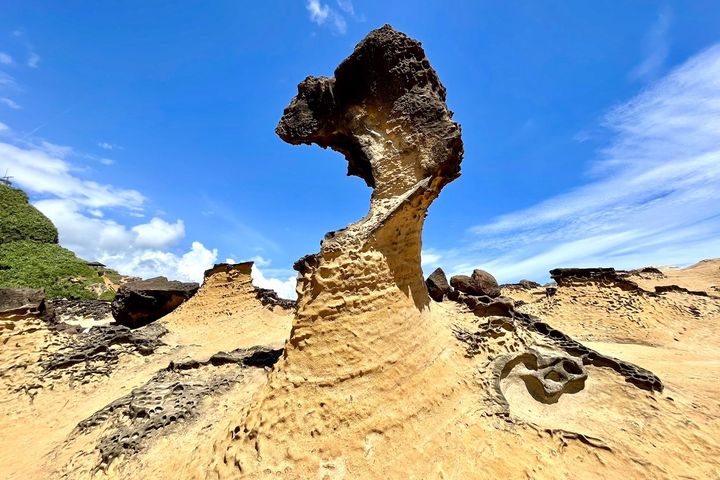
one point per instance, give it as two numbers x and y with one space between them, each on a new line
363 322
21 302
139 303
437 285
267 296
480 283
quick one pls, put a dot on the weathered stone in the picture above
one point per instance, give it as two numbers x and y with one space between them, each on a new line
480 283
139 303
437 285
22 302
578 276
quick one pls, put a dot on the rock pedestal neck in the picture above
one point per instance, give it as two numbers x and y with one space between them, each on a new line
362 341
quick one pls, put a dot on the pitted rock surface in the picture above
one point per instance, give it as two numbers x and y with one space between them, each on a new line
170 396
67 309
96 352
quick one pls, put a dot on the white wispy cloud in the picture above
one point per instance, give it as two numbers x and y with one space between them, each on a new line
10 103
654 197
7 80
656 47
108 146
346 6
5 59
43 168
325 15
33 60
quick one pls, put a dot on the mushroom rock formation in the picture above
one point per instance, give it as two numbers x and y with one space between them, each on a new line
364 354
385 112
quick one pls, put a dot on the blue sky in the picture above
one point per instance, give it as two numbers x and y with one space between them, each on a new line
145 130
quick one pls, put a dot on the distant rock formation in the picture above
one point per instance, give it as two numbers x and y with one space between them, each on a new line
141 302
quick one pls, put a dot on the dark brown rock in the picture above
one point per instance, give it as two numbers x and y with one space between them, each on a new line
600 275
461 283
484 283
386 80
437 285
480 283
22 301
528 284
139 303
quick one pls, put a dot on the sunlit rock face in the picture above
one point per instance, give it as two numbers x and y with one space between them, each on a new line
363 341
385 111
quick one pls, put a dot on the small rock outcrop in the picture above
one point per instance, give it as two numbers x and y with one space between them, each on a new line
139 303
437 285
577 276
21 302
479 283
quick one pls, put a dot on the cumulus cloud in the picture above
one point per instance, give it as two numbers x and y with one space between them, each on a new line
79 208
10 103
190 266
654 197
158 233
282 281
5 59
325 15
285 288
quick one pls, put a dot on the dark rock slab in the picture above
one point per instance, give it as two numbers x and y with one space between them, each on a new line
22 301
479 283
437 285
577 276
142 302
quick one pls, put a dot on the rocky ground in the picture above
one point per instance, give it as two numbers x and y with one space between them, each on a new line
161 400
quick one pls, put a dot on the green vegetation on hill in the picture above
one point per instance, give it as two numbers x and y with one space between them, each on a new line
46 265
21 221
31 257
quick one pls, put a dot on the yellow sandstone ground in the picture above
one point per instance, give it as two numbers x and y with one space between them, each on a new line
435 423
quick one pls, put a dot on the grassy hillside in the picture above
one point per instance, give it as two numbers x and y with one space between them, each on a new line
21 221
31 257
46 265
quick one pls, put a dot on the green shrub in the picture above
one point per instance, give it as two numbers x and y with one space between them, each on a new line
27 263
21 221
